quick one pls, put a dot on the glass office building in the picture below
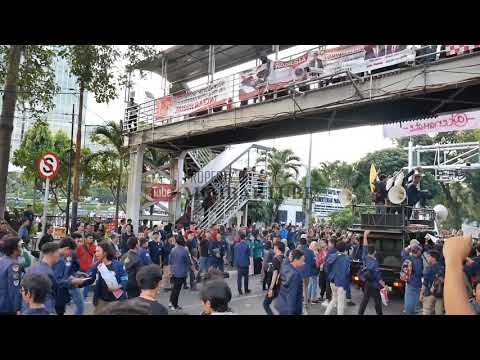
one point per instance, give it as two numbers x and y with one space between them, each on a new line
60 117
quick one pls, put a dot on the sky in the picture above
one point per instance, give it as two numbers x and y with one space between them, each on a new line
345 145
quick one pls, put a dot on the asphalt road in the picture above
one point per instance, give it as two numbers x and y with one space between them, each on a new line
251 304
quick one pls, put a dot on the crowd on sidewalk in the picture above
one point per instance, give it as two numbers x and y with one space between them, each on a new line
298 269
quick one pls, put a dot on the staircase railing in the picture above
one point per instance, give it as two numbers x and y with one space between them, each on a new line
251 188
202 156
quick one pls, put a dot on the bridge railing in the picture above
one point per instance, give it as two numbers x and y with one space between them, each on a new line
148 115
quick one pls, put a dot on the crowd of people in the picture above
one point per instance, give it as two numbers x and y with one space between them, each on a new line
298 268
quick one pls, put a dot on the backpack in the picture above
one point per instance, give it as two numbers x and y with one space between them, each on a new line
406 270
437 287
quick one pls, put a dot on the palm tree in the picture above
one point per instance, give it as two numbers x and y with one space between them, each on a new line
110 135
282 169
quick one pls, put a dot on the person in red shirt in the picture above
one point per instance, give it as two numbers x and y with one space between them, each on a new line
86 254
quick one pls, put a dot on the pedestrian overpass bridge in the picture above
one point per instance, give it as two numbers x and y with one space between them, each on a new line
418 91
346 100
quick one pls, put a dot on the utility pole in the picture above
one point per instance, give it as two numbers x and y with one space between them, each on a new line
76 168
308 194
69 181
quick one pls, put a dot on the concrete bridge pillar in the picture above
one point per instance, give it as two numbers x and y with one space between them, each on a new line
134 192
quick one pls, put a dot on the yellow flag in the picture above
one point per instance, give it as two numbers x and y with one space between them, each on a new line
373 176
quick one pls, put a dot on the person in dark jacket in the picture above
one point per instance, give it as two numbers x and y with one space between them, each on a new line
338 269
215 253
47 238
290 297
132 262
434 271
242 262
309 268
106 293
64 270
180 264
414 284
274 284
267 265
51 255
372 277
155 248
35 288
10 276
125 236
143 252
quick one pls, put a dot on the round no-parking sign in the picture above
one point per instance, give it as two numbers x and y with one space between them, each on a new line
48 166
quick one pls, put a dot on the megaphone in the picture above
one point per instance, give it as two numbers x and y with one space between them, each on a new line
346 197
397 194
399 179
441 213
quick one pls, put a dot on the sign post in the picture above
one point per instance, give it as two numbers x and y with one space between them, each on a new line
48 168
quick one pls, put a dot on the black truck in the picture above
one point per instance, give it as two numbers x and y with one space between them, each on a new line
391 231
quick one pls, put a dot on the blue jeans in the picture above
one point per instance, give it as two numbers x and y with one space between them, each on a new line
349 291
86 289
77 298
215 263
266 305
312 287
412 299
203 264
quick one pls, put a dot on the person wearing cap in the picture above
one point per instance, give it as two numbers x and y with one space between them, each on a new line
10 276
434 272
414 284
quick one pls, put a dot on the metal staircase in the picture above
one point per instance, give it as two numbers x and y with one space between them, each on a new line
232 199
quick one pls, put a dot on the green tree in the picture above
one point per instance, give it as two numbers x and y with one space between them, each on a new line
36 142
29 79
344 218
111 161
93 66
282 169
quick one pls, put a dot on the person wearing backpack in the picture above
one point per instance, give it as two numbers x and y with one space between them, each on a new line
338 269
274 286
371 277
431 294
412 271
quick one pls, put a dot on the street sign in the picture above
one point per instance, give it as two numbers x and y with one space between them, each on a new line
48 166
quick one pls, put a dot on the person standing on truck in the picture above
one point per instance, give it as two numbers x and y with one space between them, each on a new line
412 261
371 277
